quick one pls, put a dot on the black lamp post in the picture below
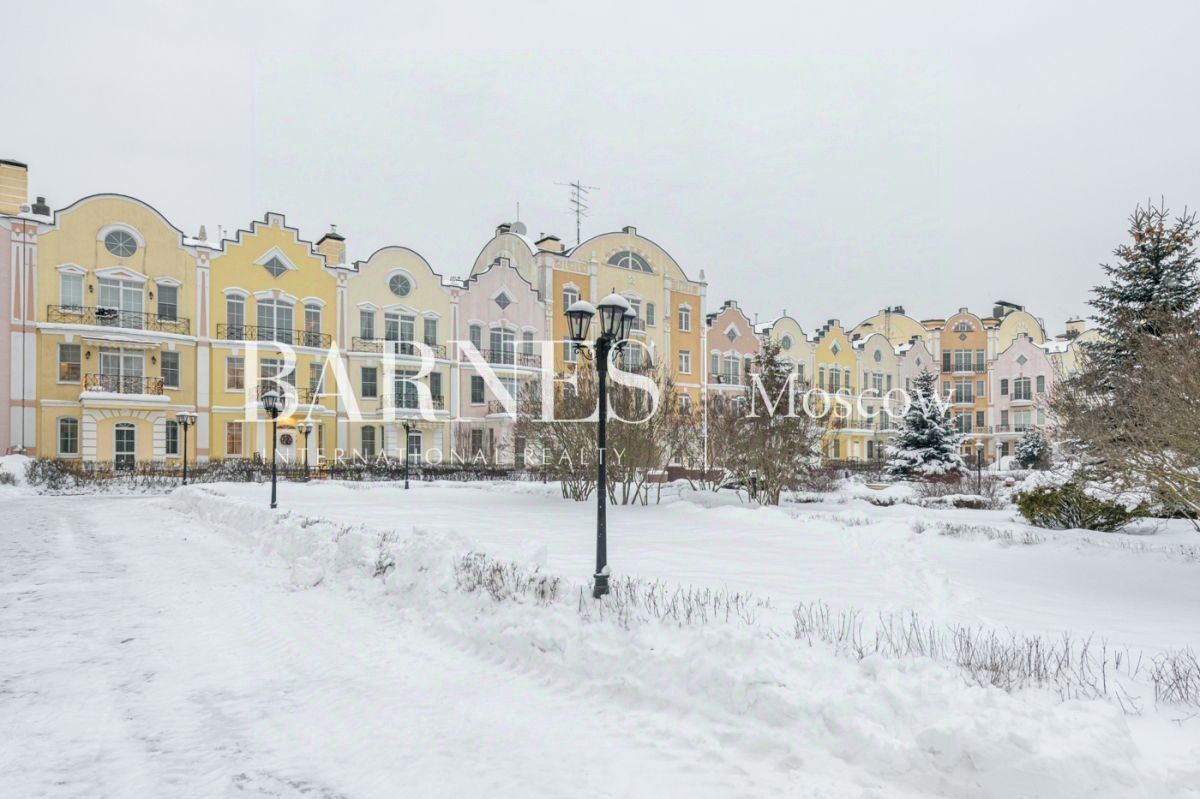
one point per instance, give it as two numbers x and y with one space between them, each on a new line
978 467
408 426
185 419
271 404
305 429
616 321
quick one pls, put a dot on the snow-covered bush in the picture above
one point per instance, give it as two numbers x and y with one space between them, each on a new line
1032 451
47 475
1071 506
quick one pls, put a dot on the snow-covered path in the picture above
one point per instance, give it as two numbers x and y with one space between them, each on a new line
143 655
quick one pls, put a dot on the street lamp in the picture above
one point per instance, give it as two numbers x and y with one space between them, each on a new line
978 467
272 404
185 419
616 320
305 429
408 426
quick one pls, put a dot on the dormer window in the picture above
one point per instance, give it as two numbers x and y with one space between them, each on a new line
120 243
275 266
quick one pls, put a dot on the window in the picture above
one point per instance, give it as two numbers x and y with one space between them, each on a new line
979 366
120 243
629 260
527 343
685 319
477 394
945 360
1021 389
475 333
275 266
68 363
963 422
570 297
400 285
714 366
171 444
312 325
272 370
368 441
476 442
431 337
316 372
650 314
435 385
569 353
1041 417
979 388
821 378
1004 387
170 369
274 321
391 327
233 439
685 362
121 303
366 324
125 445
1021 421
503 300
1004 420
414 447
168 302
503 346
370 382
68 436
1041 384
70 290
121 370
962 391
235 318
979 419
235 373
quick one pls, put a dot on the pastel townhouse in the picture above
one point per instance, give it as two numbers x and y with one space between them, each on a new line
1021 377
836 366
795 347
733 348
502 317
880 371
395 300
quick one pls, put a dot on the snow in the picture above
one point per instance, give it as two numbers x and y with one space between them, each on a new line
203 645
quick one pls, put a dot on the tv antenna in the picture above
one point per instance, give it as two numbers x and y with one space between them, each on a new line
579 204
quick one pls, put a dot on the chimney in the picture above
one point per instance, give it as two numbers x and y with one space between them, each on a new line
549 243
14 186
40 208
333 246
630 229
1075 327
898 309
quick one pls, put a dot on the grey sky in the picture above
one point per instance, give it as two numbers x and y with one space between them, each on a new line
829 161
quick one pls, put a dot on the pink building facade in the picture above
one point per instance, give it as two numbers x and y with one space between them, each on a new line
1022 377
501 314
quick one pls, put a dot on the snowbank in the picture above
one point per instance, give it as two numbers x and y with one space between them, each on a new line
911 726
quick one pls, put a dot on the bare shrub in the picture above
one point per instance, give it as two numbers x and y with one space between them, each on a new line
504 582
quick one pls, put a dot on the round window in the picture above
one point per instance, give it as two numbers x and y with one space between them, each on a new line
400 285
286 439
120 243
878 356
786 342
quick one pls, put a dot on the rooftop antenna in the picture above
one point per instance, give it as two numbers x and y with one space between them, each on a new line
579 204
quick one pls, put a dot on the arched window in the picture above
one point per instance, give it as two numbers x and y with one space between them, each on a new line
235 318
124 445
312 324
274 320
476 335
629 260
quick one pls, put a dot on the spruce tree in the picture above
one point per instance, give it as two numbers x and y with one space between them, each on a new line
1152 288
1032 451
926 443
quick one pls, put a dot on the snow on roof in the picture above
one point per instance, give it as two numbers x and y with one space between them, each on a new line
1056 345
903 348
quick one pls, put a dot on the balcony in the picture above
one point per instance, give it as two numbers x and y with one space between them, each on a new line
114 317
411 402
511 357
381 345
299 338
123 384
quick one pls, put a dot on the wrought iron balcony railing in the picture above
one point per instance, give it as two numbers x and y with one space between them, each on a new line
382 345
123 384
511 357
411 402
115 317
299 338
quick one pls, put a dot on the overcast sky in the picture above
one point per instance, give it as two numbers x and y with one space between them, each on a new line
827 158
